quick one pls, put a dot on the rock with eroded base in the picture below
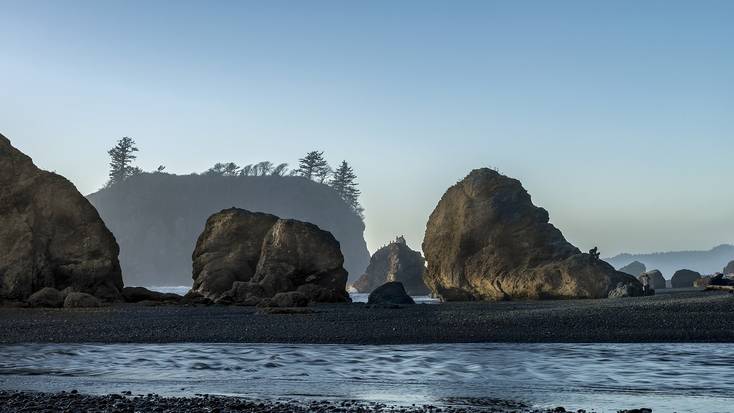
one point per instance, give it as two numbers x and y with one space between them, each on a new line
244 257
50 235
485 240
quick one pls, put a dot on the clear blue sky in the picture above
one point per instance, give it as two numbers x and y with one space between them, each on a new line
618 116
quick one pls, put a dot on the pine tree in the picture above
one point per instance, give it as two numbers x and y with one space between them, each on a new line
345 184
313 166
223 169
121 157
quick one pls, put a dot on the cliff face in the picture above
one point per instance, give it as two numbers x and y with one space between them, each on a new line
485 240
157 218
50 235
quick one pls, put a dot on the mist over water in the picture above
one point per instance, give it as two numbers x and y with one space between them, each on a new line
606 377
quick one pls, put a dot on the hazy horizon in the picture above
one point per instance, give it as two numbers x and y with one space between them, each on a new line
615 117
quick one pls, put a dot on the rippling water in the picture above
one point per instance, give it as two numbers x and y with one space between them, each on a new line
667 377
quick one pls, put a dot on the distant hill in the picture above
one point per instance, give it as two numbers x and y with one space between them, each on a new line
157 217
705 262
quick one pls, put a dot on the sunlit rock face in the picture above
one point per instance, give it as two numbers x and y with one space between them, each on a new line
395 262
485 240
246 257
50 235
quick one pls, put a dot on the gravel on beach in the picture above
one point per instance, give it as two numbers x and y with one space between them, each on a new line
673 316
72 401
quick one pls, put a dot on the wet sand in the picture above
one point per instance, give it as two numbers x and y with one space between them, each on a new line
673 316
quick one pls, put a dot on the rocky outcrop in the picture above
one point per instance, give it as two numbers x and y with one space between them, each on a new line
391 293
635 268
140 294
395 262
657 281
50 235
729 269
487 241
245 257
157 217
684 278
47 297
703 281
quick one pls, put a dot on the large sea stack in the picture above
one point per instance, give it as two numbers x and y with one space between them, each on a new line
245 257
391 263
635 268
157 217
50 235
487 241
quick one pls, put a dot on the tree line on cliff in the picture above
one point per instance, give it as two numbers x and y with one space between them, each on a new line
312 166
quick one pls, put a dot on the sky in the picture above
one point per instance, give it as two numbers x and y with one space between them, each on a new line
617 116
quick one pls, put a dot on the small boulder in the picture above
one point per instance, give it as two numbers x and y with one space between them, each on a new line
684 278
289 299
392 293
626 290
46 297
81 300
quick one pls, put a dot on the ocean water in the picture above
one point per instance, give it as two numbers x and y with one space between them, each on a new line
603 377
356 297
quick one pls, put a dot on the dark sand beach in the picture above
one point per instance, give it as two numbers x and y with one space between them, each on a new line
671 316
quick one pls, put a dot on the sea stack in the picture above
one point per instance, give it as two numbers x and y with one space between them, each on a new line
635 268
485 240
395 262
50 235
245 257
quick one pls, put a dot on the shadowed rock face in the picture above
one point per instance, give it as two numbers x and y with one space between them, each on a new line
657 281
634 268
487 241
391 293
729 269
395 262
684 278
245 257
50 235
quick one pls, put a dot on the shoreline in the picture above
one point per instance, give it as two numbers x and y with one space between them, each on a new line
675 316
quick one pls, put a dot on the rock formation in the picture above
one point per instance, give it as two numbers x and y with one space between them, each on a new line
487 241
624 290
245 257
707 262
50 235
635 268
729 269
395 262
157 217
684 278
657 281
390 293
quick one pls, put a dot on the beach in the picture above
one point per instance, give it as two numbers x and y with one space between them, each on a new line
670 316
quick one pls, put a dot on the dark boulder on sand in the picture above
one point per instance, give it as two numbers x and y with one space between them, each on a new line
391 293
50 235
81 300
244 257
487 241
657 281
395 262
635 268
47 297
684 278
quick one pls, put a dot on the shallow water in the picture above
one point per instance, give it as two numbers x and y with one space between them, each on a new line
605 377
356 297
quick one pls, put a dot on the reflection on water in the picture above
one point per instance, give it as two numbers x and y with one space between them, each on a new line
668 377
